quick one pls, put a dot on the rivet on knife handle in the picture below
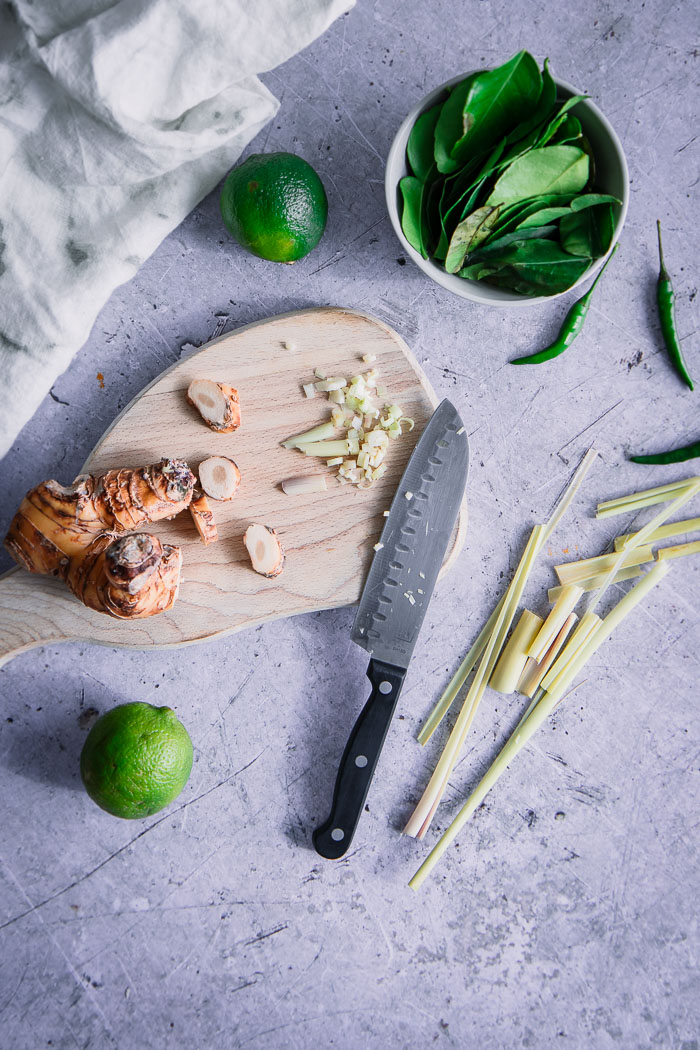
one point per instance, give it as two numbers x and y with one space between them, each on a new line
359 760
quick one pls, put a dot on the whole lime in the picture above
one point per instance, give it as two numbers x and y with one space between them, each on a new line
275 206
136 760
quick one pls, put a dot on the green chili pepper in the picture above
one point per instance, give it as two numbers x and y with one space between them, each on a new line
675 455
572 325
667 317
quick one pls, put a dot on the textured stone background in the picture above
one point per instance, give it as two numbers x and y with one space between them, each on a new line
214 925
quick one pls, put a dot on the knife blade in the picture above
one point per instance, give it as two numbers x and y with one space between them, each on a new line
393 605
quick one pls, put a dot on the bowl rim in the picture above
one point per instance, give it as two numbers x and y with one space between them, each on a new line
466 288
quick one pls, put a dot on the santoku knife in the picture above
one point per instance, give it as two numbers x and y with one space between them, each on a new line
394 603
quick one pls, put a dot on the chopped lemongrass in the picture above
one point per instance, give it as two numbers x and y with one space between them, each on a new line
376 439
644 498
327 449
319 433
590 622
362 458
335 462
460 431
511 662
378 546
535 670
540 711
288 346
299 486
682 497
665 532
379 472
394 431
331 384
353 434
337 417
408 495
319 374
460 676
394 411
555 621
574 571
410 423
309 389
419 820
369 358
353 446
381 390
681 550
337 397
592 583
385 513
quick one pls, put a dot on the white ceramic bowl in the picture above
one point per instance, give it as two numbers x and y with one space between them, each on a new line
612 177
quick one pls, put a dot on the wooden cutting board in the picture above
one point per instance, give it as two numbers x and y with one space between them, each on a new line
328 536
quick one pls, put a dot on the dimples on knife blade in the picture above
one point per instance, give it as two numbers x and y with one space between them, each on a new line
421 519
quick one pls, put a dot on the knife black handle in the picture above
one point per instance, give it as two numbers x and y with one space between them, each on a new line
357 765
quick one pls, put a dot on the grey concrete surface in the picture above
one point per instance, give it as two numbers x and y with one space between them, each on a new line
566 915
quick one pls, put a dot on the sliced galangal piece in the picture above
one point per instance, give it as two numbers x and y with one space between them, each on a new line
265 550
203 518
217 404
219 477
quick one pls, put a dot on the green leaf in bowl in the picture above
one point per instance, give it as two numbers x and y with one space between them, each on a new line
554 169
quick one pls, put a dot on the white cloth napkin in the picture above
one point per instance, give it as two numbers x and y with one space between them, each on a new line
116 118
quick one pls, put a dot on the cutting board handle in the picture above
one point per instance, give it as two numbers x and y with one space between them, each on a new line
31 613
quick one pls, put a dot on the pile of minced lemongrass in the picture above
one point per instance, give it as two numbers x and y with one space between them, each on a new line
356 437
542 658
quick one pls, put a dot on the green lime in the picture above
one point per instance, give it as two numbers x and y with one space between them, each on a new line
275 206
136 760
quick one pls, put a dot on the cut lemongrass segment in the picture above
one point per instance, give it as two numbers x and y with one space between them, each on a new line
594 582
555 621
502 619
319 433
327 449
332 383
511 662
575 571
523 732
644 498
682 496
590 622
569 492
460 676
419 820
681 550
303 485
540 710
665 532
535 670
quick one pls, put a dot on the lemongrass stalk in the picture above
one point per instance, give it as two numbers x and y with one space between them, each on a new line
522 734
570 492
319 433
511 662
541 709
535 670
421 816
692 488
665 532
574 571
681 550
644 498
327 449
459 678
605 629
590 622
594 582
555 621
330 384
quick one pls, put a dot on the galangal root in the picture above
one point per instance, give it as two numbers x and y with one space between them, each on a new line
264 549
216 403
203 518
219 477
69 532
